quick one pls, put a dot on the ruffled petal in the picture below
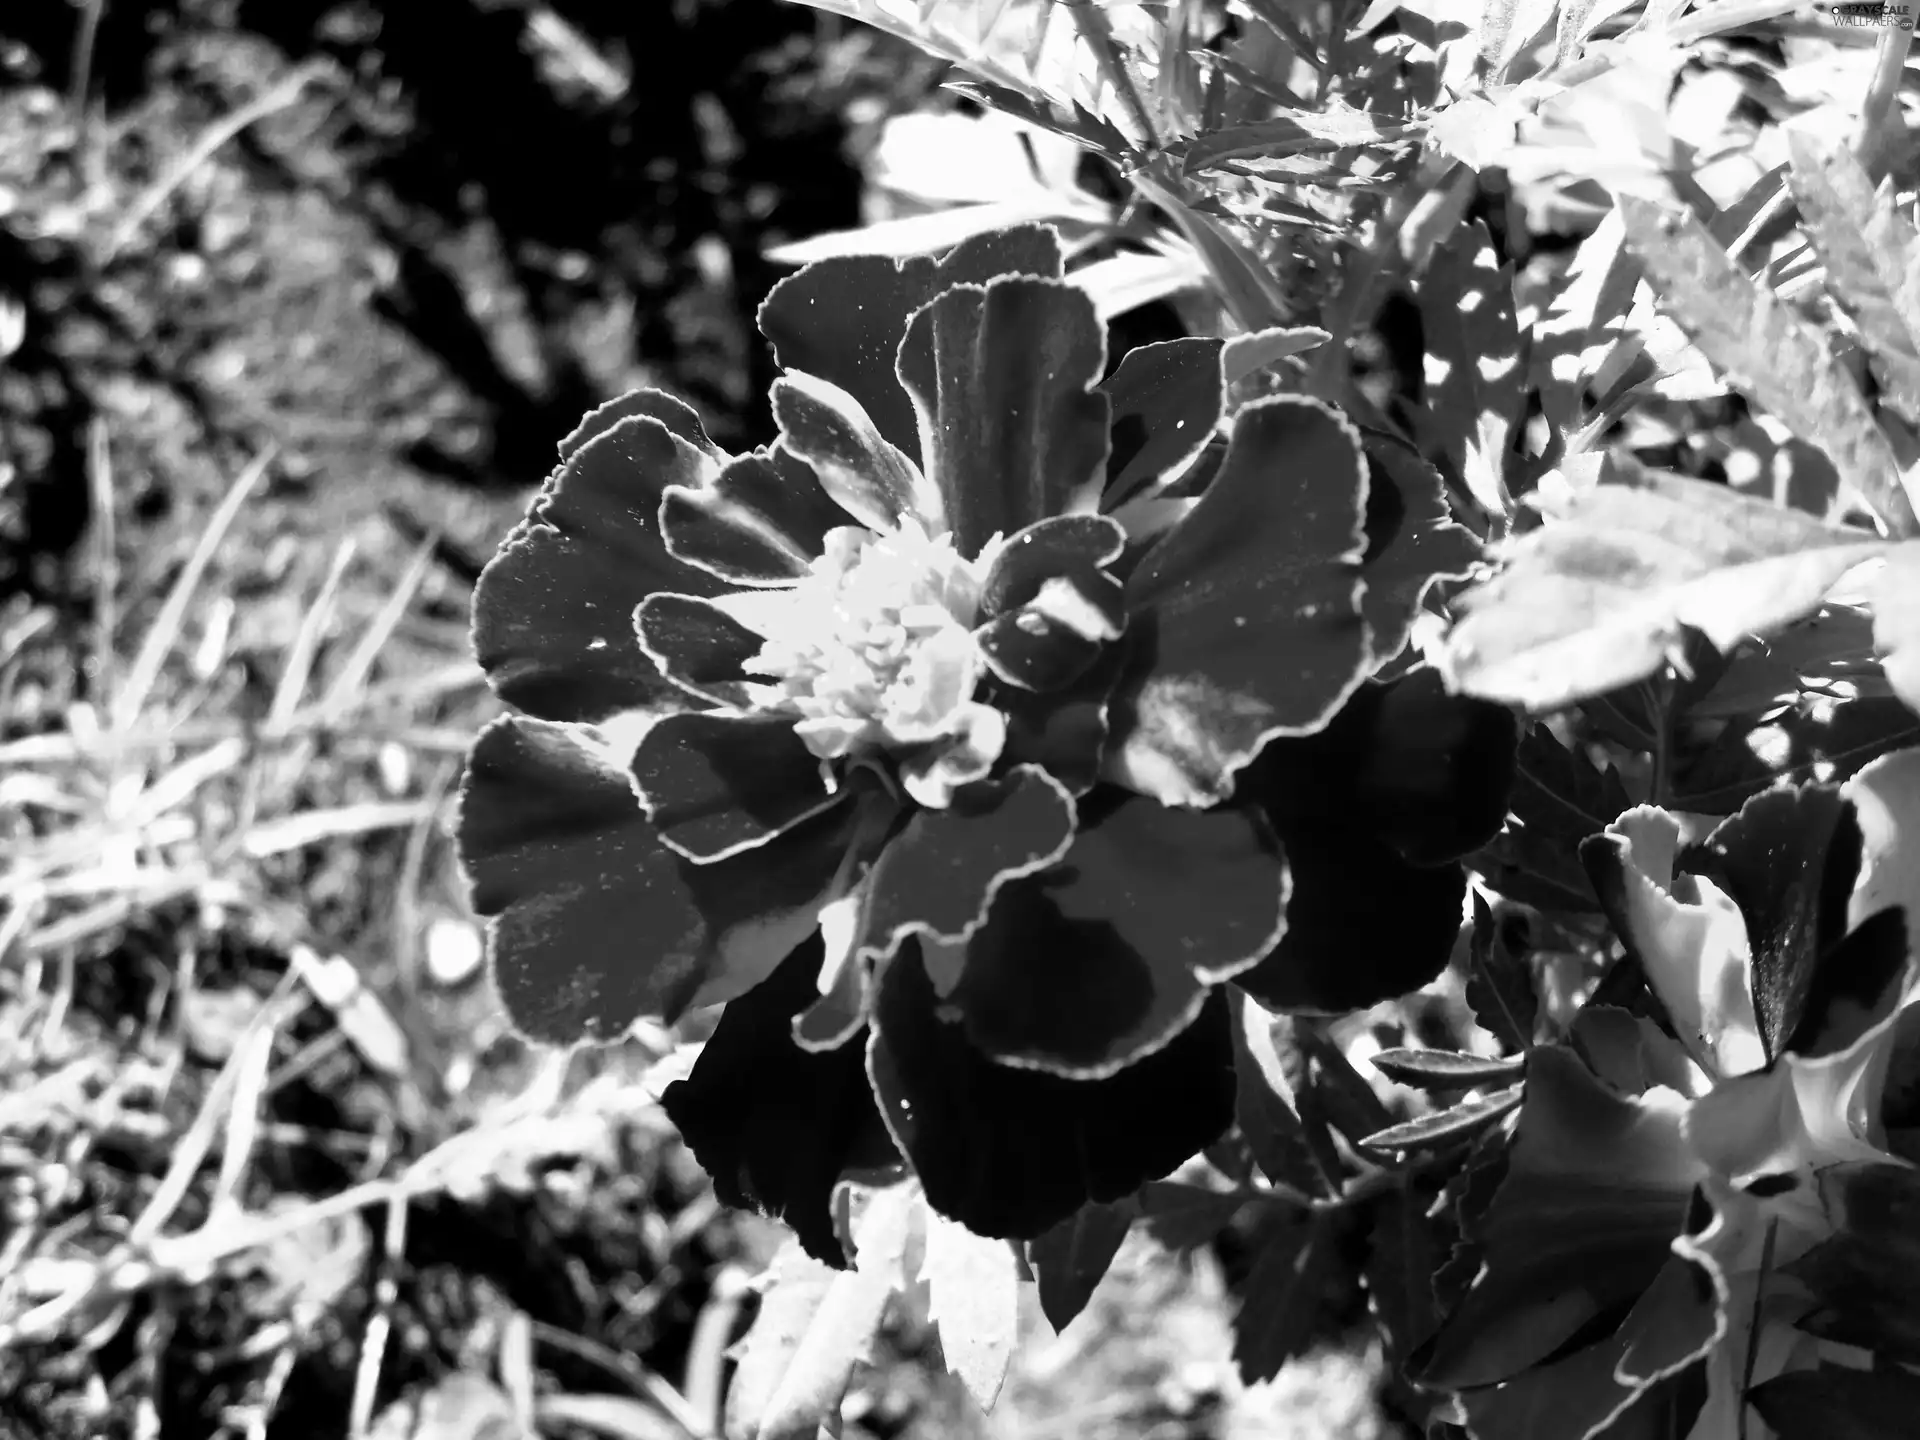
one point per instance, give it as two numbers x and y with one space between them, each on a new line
1010 1152
552 614
867 477
939 875
1693 952
1167 398
1789 859
1245 618
760 522
1012 430
697 645
842 319
595 924
1085 967
715 785
774 1125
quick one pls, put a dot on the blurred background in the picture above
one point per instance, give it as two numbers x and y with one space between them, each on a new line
296 299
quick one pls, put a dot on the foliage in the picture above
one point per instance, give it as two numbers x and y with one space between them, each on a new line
1300 654
1031 743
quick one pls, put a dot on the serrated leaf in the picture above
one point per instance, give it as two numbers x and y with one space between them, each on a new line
1762 346
1507 25
1871 256
1301 132
1398 1273
1603 596
1280 1302
1449 1126
1184 1217
815 1325
1446 1069
1072 1258
1560 797
975 1290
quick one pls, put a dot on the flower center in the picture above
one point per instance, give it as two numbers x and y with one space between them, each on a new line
873 650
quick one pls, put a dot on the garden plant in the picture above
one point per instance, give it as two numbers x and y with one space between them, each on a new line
980 719
1040 749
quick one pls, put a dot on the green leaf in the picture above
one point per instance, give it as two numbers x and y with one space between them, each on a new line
815 1325
1297 133
975 1303
1560 797
1837 1402
1762 346
1398 1273
1280 1303
1597 1188
1476 373
1446 1069
1447 1127
1073 1257
1604 595
1872 259
1245 354
1183 1217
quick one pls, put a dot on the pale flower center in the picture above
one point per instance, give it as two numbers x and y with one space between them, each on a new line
873 649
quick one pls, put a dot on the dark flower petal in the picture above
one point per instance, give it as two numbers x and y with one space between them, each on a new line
1363 925
1060 545
1166 397
676 415
774 1125
1010 1152
868 477
1063 732
1412 542
553 612
761 522
1087 966
1012 430
1245 618
1427 771
715 785
940 873
1598 1187
842 319
595 923
1052 639
1789 860
697 645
